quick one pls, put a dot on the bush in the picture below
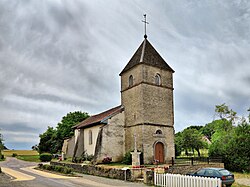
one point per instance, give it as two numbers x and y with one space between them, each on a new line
107 160
60 169
14 154
67 170
89 157
45 157
48 167
127 159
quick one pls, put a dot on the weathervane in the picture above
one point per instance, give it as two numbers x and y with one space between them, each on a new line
145 23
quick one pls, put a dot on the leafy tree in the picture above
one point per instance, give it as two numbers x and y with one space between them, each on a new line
178 144
192 139
209 129
35 147
52 139
64 128
222 130
225 113
237 156
1 145
48 141
231 142
195 127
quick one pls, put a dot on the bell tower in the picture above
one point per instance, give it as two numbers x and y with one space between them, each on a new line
147 97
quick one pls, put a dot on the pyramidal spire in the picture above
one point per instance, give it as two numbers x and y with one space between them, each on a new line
146 54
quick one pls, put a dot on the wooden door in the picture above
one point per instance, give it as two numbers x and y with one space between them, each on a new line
159 152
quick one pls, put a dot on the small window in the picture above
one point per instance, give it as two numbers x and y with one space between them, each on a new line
158 132
90 137
158 79
131 81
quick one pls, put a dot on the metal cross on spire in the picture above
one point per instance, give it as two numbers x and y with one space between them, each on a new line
145 23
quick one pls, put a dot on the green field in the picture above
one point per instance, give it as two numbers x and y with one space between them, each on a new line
19 152
26 155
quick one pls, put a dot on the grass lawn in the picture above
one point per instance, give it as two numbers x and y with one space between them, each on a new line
240 176
29 158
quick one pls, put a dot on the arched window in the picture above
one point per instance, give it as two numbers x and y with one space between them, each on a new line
158 131
130 81
157 79
90 137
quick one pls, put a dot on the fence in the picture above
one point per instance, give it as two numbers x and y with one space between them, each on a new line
176 180
195 161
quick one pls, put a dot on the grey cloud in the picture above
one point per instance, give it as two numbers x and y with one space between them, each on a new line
19 127
62 56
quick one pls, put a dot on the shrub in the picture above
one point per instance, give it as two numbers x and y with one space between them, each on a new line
48 167
45 157
107 160
90 157
14 154
59 169
127 159
67 170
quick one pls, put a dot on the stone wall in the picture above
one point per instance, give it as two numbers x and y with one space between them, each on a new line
97 170
112 140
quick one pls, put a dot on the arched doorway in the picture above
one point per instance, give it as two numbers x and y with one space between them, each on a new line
159 152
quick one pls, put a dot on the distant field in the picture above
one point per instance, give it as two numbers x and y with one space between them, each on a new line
19 152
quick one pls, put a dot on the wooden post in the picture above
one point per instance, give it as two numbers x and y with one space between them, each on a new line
192 161
172 161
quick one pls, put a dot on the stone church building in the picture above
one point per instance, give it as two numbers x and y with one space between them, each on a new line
146 112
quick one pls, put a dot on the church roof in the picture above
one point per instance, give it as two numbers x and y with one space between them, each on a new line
99 118
146 54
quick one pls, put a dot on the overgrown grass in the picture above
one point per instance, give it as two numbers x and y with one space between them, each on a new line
29 158
9 153
240 176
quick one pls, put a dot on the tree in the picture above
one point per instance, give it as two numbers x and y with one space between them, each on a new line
231 142
222 130
237 157
35 147
209 129
64 128
52 139
225 113
178 144
1 145
192 139
47 141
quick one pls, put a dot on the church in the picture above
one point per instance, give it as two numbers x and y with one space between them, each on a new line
146 113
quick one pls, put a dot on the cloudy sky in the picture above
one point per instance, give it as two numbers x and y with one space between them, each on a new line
60 56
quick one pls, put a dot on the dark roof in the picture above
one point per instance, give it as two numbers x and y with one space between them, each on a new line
99 118
146 54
